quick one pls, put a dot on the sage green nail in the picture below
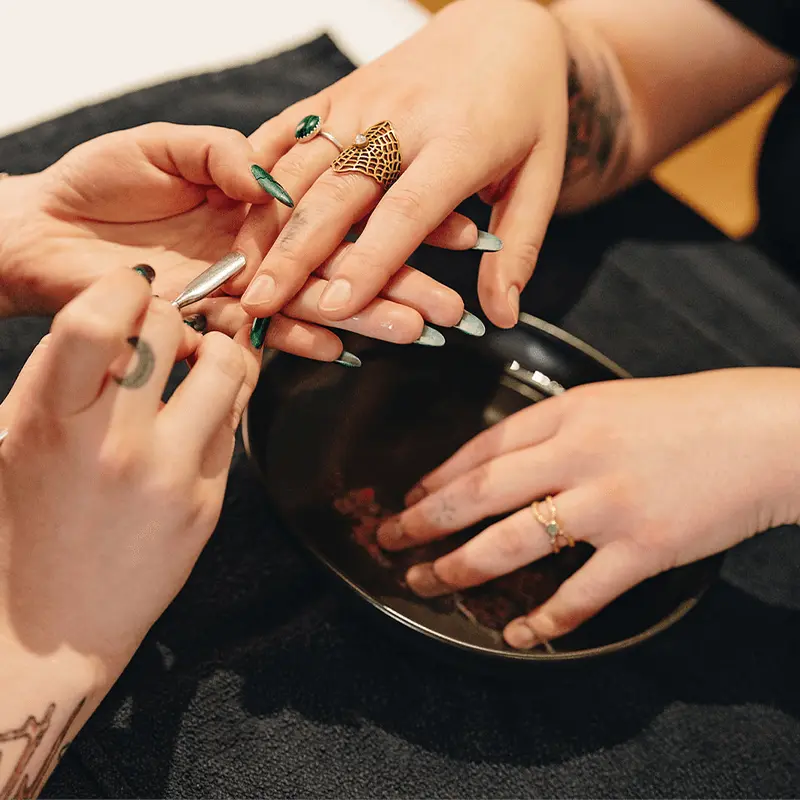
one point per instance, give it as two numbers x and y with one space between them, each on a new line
488 242
471 325
197 321
271 186
430 337
347 359
258 332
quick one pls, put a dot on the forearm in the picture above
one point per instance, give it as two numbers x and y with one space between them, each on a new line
647 78
44 700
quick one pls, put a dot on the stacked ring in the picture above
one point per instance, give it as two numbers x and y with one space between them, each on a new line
551 525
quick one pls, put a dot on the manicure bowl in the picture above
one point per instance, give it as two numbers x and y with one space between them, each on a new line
336 447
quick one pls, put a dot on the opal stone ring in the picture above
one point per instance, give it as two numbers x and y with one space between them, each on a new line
310 127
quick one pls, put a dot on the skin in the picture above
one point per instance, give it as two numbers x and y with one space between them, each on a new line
173 197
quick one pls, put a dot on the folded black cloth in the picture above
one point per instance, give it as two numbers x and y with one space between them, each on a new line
261 681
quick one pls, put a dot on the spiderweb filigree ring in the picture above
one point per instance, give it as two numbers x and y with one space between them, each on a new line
375 153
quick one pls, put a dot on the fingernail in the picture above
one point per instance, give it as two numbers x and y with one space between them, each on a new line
513 302
146 271
391 535
197 321
488 242
471 325
258 332
430 337
347 359
336 295
261 290
419 492
423 581
519 635
271 186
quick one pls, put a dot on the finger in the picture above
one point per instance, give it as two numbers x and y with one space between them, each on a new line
139 377
456 232
23 386
435 302
205 402
87 335
204 155
381 319
526 428
612 570
417 204
520 220
506 483
508 545
318 225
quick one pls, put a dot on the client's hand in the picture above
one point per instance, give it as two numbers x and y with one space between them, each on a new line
652 473
108 495
478 102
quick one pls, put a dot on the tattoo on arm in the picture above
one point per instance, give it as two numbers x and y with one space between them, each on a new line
598 133
143 364
23 743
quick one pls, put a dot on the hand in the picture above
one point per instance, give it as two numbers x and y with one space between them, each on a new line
479 102
108 495
653 473
173 197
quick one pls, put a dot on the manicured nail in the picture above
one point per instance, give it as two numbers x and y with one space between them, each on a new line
419 492
258 332
423 581
520 635
488 242
271 186
146 271
471 325
197 321
430 337
336 295
391 535
513 302
261 290
347 359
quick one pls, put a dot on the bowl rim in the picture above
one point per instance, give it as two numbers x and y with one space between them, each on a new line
496 655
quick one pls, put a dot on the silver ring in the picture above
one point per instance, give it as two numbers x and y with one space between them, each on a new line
310 127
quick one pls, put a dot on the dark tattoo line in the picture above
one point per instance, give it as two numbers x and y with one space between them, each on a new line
597 123
19 786
143 366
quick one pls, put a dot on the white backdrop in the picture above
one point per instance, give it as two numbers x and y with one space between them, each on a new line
56 56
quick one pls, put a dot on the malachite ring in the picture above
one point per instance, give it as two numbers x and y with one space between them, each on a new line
551 525
310 127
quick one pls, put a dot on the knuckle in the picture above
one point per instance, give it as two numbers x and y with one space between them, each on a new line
405 203
514 538
524 255
86 325
293 165
227 356
339 189
477 485
119 461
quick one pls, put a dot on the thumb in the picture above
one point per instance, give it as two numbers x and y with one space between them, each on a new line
520 219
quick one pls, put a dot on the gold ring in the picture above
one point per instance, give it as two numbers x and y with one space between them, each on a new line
551 525
375 153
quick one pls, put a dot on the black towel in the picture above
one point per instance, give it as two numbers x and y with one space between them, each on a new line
260 681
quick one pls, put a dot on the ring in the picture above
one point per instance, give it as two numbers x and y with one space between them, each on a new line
310 127
375 153
551 525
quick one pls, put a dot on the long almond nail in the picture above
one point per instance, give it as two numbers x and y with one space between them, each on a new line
260 291
271 186
391 535
347 359
423 581
471 325
430 337
258 332
488 242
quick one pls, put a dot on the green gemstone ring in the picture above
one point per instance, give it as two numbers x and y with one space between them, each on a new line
310 127
551 525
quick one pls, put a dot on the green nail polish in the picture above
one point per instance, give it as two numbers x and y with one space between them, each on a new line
347 359
146 271
258 333
197 321
307 128
271 186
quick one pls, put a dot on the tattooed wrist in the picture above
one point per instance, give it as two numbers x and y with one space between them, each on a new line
598 135
30 752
